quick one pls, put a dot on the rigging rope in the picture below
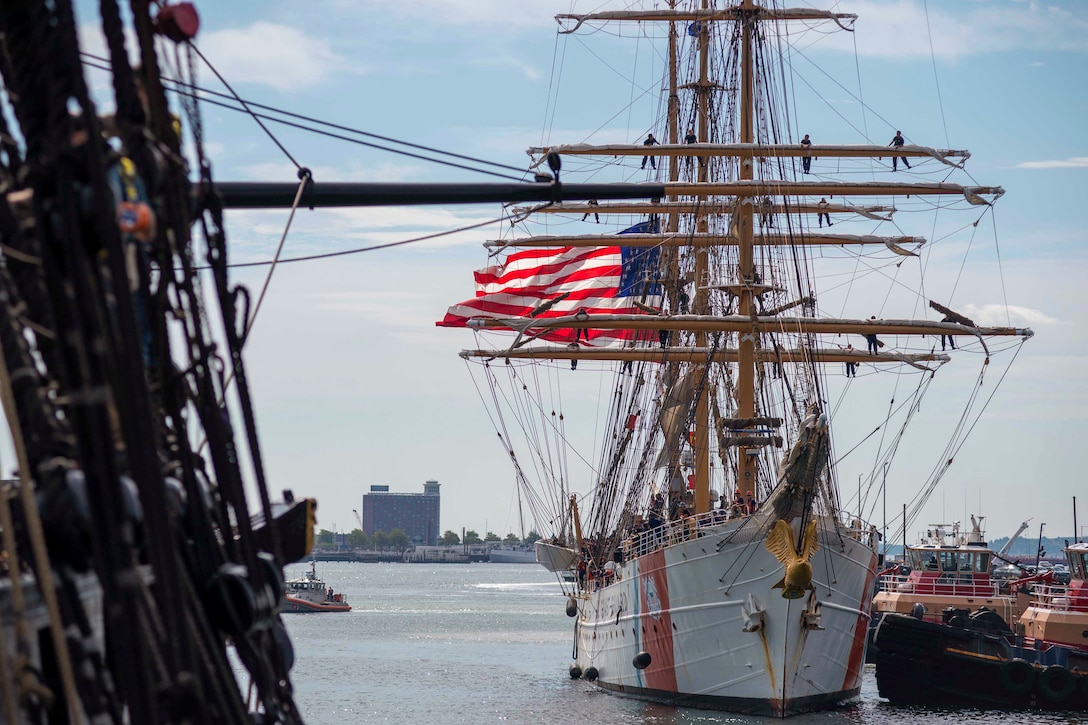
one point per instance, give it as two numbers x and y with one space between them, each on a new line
359 250
956 442
191 90
936 78
305 178
238 98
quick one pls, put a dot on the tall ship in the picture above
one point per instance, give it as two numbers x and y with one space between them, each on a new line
717 562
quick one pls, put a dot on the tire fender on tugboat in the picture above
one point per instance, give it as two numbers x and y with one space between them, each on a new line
1017 676
1056 684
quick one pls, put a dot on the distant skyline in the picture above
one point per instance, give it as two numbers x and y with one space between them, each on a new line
354 385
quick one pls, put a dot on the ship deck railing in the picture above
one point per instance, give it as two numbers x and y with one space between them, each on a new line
860 531
947 585
673 532
691 527
1059 598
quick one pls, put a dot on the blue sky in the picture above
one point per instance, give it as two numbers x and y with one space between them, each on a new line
355 386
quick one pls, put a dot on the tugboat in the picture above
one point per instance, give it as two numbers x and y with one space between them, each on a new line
949 570
976 659
1058 616
310 594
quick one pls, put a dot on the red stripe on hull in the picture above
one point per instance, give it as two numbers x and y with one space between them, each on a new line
301 606
856 662
653 593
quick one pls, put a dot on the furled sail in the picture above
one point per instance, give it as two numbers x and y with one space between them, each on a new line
675 412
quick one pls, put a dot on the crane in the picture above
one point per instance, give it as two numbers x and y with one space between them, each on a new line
1014 537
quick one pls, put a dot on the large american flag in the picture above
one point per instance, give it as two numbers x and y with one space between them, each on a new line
600 280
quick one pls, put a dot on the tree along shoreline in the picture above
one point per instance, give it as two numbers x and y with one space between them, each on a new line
396 540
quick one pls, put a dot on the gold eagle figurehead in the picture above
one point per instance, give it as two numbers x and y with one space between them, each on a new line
798 574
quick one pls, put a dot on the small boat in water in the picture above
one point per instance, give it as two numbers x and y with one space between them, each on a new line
308 593
512 555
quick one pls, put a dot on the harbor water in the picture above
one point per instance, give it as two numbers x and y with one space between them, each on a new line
490 643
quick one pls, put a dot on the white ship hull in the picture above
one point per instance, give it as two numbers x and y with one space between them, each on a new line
687 606
512 556
556 558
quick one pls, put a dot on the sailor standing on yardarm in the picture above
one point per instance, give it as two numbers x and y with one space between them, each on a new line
650 141
898 141
871 339
692 138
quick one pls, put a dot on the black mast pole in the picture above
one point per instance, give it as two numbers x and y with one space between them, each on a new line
275 195
1076 531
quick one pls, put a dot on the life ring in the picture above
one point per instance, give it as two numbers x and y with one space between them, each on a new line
1056 684
1017 676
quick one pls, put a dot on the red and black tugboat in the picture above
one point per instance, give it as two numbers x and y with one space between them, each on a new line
976 659
949 569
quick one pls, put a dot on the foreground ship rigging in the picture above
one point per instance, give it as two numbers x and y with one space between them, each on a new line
131 562
704 317
128 560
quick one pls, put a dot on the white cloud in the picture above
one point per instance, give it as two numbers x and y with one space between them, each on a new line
1073 162
509 62
423 218
271 54
385 307
93 42
281 171
490 15
1000 315
214 149
899 29
254 234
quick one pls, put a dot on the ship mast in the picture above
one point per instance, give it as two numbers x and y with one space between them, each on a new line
742 230
746 344
702 406
733 197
